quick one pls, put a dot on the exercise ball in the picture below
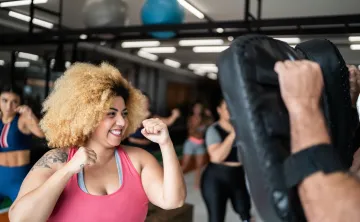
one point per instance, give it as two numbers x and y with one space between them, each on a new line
105 13
162 12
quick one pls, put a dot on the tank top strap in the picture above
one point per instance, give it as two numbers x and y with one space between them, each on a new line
15 121
128 166
72 152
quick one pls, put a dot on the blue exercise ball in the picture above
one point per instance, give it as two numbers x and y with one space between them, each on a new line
162 12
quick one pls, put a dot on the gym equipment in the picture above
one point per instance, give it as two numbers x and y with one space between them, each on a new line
251 89
105 13
162 12
340 114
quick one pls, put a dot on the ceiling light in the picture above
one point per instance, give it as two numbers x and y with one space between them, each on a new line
83 36
354 38
2 62
172 63
212 76
192 9
20 3
204 67
29 56
26 18
52 63
140 44
230 38
22 64
208 69
147 55
219 30
197 65
67 64
208 49
196 42
290 40
160 50
200 72
355 47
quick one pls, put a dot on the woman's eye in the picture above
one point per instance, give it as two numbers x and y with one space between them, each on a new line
111 114
125 114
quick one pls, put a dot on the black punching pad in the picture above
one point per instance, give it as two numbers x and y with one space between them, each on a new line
251 89
336 99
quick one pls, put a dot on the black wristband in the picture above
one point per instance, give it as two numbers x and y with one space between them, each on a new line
321 157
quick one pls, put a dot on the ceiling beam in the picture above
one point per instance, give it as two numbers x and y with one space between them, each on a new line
342 24
31 40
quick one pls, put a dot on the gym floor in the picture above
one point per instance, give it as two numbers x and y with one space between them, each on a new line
194 197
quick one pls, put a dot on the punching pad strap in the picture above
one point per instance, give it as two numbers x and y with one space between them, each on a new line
320 157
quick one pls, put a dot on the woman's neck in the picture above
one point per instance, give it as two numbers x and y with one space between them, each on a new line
198 115
225 124
7 119
103 154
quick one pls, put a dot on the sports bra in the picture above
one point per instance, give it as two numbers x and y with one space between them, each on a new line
11 138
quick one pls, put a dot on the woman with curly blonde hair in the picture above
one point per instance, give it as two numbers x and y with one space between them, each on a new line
90 176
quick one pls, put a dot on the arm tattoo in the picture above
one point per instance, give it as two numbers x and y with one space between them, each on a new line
50 158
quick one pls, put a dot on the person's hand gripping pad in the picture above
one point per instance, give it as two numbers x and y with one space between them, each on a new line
336 100
251 89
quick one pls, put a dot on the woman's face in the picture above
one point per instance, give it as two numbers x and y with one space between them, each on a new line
197 109
111 129
223 111
9 102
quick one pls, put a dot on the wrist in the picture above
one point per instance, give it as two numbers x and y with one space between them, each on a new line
308 127
67 171
307 110
166 143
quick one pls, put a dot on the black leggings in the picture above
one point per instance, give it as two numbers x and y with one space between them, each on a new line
220 183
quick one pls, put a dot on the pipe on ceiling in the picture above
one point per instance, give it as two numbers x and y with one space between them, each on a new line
132 58
13 25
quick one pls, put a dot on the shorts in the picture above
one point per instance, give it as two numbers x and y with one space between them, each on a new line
11 183
191 148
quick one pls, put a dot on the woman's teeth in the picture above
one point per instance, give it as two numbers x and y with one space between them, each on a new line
116 132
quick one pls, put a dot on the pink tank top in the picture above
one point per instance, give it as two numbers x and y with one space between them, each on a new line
128 204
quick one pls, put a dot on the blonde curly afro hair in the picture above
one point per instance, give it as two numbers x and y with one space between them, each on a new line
79 101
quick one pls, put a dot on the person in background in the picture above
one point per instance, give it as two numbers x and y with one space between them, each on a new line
224 177
17 125
138 139
197 124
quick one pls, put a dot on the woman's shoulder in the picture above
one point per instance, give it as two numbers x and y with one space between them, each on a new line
134 152
53 159
59 155
137 156
213 126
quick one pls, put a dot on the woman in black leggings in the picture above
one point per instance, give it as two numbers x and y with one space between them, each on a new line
224 178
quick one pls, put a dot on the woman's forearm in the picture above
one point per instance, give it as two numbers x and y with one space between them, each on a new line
221 152
174 190
168 120
38 204
33 125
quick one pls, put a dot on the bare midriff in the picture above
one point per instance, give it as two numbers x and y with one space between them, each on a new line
15 158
